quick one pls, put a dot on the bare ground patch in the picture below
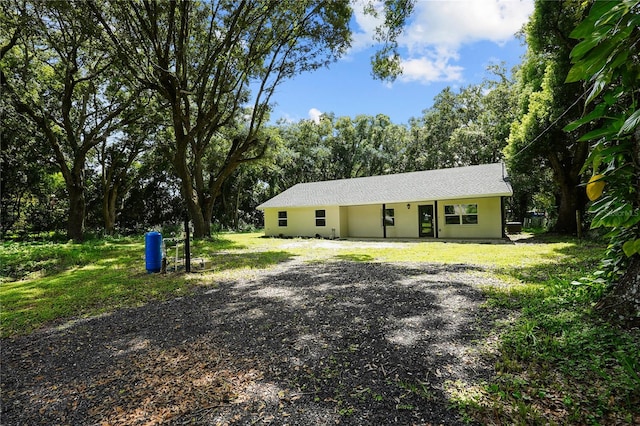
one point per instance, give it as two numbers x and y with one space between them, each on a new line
332 343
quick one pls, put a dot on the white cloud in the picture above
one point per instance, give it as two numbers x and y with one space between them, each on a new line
452 23
426 70
363 37
287 118
315 114
439 28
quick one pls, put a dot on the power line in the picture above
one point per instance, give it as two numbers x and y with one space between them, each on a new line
552 124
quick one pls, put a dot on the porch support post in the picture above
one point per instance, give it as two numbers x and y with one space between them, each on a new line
504 217
384 221
435 218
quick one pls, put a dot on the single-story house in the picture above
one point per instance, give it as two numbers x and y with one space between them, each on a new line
460 202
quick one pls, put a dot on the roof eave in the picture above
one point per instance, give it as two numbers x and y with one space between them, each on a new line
459 197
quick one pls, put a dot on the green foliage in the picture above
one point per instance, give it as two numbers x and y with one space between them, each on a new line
546 104
606 58
58 74
385 62
557 362
339 148
219 69
465 128
32 193
561 354
210 70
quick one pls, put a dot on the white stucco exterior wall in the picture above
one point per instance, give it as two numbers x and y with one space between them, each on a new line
366 221
301 222
489 219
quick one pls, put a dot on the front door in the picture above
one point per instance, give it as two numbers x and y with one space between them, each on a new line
426 220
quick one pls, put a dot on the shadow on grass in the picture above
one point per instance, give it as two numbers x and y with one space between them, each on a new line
355 257
549 238
216 244
107 283
20 259
227 261
566 263
343 342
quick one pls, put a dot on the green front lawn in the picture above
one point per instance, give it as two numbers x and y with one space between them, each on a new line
44 281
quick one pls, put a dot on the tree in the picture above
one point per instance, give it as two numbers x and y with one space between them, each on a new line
464 128
116 159
607 58
154 195
217 66
547 104
30 186
429 145
364 146
339 148
55 71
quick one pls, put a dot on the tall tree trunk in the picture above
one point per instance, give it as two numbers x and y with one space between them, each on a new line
77 207
566 168
236 212
109 209
201 221
207 213
201 226
568 205
74 180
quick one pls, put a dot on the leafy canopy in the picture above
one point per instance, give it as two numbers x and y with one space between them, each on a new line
607 58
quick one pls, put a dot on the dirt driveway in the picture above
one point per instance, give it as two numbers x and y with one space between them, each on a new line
301 344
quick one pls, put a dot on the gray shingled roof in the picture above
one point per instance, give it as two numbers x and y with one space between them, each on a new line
484 180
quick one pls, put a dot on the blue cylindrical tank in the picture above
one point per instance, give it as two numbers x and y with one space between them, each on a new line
153 251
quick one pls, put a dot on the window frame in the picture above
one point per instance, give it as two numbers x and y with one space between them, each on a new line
321 218
466 213
452 218
389 219
463 214
282 219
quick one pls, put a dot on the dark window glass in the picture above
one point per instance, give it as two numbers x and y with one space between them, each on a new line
389 217
282 218
470 219
452 220
456 214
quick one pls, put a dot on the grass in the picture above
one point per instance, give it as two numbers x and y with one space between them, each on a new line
43 282
556 361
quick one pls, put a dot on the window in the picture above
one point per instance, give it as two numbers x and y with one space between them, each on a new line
389 217
321 218
451 214
456 214
282 218
469 214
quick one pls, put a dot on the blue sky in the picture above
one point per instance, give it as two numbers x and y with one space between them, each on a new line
446 43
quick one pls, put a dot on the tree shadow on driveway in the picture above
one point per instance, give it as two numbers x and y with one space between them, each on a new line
339 342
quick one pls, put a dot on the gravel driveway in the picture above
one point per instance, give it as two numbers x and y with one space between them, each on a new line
300 344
